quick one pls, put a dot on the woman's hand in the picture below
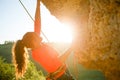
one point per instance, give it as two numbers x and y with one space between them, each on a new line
38 1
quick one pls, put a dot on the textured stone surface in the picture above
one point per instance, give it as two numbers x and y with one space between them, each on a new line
96 26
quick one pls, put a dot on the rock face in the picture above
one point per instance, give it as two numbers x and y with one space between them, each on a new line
96 26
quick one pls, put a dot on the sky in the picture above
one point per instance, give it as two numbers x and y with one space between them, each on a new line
15 22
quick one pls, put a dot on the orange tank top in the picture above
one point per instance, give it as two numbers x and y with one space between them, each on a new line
47 57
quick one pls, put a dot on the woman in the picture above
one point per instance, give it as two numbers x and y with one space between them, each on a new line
46 56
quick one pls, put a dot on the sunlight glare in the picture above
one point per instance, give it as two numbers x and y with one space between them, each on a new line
54 30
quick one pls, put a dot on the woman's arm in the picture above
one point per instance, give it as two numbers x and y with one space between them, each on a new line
37 22
65 55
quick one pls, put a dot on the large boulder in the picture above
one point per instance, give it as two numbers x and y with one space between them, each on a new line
96 25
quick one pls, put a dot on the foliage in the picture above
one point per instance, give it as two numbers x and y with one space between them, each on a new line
7 72
32 73
5 51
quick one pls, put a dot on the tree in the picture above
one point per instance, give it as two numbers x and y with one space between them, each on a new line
32 73
7 72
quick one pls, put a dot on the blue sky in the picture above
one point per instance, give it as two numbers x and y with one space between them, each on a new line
15 22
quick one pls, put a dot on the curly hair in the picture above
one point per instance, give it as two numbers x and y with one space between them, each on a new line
20 58
20 53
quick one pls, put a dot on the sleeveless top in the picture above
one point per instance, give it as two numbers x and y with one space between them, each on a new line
47 57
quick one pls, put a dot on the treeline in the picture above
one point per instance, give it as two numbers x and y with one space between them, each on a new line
5 51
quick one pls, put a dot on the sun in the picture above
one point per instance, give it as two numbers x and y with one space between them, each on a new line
54 30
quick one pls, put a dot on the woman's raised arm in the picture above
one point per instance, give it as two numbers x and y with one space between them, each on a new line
64 57
37 22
